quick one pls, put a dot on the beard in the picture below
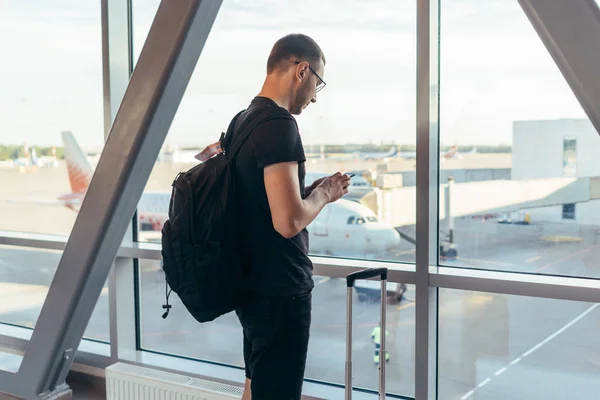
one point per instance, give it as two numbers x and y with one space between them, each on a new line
302 99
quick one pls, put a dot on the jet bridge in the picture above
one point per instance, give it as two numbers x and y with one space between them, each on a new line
398 206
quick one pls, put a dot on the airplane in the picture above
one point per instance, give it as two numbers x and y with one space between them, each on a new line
454 153
31 161
43 161
392 153
343 228
359 155
407 155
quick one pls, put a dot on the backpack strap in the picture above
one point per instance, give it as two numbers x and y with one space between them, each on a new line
233 141
218 147
247 126
241 134
226 138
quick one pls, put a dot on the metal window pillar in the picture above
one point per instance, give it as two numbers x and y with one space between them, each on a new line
117 67
570 30
427 198
169 56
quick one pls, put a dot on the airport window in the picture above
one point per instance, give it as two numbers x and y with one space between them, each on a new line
332 130
569 156
25 277
338 133
527 127
52 84
220 341
568 211
493 346
515 148
51 98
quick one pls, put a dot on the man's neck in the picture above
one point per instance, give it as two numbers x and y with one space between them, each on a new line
272 90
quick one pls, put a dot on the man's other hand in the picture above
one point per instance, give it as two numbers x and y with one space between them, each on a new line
335 186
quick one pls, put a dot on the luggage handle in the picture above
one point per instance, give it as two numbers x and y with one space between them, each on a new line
366 274
350 279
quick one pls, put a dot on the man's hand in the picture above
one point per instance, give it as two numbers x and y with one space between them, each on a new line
309 190
334 186
291 213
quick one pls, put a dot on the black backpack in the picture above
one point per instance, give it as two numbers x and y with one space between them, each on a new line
201 257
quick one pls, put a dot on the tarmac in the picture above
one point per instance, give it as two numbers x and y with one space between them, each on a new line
491 346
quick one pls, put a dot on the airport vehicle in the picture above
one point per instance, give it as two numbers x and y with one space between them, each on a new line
368 291
515 217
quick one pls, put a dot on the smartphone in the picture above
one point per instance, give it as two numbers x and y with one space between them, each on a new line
350 174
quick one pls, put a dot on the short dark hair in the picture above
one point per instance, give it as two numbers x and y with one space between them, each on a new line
295 45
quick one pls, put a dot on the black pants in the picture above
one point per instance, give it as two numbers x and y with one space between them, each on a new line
276 333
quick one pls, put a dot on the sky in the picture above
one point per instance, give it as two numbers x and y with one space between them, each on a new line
494 70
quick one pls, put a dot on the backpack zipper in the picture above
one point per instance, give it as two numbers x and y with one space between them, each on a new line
188 185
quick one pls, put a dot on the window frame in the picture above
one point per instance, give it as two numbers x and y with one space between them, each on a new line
426 274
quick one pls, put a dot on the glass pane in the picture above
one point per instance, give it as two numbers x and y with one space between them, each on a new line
51 83
497 347
10 362
25 276
363 121
221 340
519 149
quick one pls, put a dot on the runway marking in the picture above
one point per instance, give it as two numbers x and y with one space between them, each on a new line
596 363
405 306
565 258
530 351
482 384
485 261
561 239
401 252
532 259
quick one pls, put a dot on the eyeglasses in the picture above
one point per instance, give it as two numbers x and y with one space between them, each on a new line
321 83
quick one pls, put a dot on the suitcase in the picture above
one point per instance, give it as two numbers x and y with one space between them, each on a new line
350 279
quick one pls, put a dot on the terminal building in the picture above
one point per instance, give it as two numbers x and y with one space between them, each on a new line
555 149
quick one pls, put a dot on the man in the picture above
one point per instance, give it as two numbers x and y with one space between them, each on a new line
376 338
275 209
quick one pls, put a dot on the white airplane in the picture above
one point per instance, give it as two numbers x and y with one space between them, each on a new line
350 229
344 228
452 153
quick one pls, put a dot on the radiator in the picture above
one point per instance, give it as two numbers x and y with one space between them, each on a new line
131 382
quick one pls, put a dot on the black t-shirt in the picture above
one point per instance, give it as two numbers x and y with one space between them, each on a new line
277 266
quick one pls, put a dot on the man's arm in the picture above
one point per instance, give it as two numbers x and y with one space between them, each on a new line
308 190
290 213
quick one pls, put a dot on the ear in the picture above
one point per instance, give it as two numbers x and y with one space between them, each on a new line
302 70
